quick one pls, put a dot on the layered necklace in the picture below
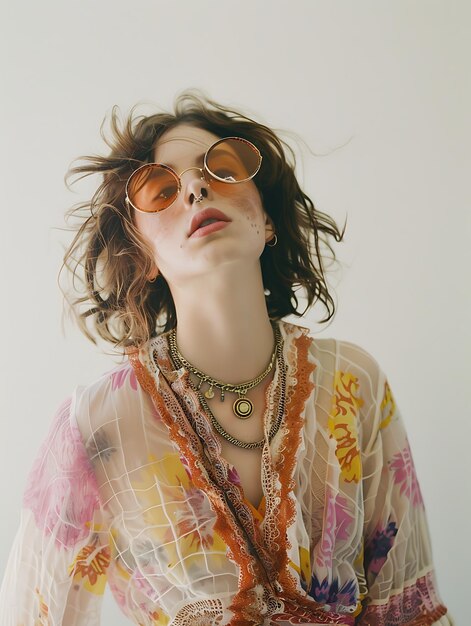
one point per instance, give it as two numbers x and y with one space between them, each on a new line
242 407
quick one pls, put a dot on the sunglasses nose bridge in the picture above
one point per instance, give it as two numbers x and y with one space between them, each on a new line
194 186
188 169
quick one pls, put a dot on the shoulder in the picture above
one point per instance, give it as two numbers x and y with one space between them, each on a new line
113 395
338 361
358 384
343 355
333 354
352 374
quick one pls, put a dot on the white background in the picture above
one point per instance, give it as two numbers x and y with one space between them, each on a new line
381 89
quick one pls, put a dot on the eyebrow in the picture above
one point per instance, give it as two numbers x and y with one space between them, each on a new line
198 159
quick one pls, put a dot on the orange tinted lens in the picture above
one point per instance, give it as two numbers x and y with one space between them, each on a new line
233 160
152 188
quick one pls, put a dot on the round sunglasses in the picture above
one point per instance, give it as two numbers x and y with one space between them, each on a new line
154 187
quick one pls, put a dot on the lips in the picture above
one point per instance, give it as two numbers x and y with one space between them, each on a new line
206 214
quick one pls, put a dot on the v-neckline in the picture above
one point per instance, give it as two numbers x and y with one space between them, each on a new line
180 381
257 512
276 511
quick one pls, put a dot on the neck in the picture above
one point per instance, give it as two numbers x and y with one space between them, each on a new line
225 332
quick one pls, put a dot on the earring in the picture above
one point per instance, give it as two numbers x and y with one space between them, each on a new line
275 240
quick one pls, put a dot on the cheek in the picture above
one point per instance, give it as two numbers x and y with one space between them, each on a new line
245 198
250 206
152 227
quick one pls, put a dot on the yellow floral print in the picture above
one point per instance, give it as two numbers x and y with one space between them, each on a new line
388 401
343 424
89 568
304 564
188 509
159 618
43 617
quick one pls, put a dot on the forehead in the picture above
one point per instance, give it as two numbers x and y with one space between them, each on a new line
183 141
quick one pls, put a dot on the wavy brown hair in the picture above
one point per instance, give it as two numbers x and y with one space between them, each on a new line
112 261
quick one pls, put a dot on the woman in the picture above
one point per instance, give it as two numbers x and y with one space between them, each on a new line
233 470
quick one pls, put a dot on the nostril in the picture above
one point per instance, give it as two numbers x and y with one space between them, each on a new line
203 194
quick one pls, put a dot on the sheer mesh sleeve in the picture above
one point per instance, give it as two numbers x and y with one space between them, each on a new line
56 571
398 560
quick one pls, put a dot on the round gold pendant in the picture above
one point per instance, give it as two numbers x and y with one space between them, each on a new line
209 393
243 408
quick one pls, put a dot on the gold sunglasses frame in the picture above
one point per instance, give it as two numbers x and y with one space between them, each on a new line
203 169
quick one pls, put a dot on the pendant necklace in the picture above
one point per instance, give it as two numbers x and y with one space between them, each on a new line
238 407
242 407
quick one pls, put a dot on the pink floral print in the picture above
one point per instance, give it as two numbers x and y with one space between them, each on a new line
118 378
405 475
337 520
62 491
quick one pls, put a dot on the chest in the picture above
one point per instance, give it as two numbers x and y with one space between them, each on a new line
247 462
248 465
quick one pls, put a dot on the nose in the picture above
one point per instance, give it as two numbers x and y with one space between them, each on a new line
196 185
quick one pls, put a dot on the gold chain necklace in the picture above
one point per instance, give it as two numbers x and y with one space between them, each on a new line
274 427
281 405
242 407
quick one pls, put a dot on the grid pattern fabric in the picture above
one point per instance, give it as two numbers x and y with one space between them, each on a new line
130 489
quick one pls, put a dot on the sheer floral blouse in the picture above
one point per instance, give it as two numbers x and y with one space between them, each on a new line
130 489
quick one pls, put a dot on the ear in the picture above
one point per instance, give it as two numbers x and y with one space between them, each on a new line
153 274
269 228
